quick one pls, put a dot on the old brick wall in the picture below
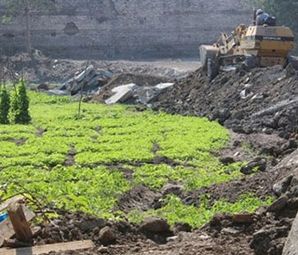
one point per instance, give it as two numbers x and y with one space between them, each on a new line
126 28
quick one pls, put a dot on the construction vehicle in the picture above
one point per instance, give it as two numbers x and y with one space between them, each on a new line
252 46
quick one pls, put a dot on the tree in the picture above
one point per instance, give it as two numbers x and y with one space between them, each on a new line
19 105
4 105
26 8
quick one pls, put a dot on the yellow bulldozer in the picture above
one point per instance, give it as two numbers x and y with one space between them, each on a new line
252 46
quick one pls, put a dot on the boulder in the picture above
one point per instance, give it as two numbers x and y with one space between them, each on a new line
291 246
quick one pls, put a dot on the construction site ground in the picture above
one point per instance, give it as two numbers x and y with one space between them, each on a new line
259 108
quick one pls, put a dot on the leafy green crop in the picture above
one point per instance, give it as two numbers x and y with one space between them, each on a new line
75 164
177 212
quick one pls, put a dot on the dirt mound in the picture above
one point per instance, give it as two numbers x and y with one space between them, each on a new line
143 80
260 100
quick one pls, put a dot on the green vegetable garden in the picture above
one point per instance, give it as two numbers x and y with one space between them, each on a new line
79 164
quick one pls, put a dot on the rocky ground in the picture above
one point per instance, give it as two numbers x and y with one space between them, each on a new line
259 100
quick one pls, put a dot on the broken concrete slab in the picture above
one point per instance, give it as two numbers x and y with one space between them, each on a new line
89 79
122 93
162 86
145 95
291 246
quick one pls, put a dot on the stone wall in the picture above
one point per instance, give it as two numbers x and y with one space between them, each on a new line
126 28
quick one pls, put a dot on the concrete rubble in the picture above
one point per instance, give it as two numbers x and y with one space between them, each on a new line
133 93
88 80
122 93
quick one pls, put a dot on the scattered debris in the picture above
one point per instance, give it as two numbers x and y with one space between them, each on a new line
50 248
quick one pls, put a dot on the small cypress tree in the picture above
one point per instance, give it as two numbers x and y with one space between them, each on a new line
4 105
23 104
14 109
19 105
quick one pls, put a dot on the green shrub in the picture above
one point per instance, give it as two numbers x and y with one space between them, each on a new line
4 105
19 105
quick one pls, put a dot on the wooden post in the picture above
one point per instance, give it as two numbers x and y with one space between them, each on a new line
19 223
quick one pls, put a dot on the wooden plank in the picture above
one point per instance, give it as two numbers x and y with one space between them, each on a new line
20 225
12 200
45 249
6 228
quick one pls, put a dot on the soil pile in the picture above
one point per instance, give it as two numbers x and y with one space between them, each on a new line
260 100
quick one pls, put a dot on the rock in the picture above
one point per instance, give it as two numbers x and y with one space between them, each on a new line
107 236
258 164
171 189
227 160
155 225
43 87
172 238
279 204
282 186
291 246
242 218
